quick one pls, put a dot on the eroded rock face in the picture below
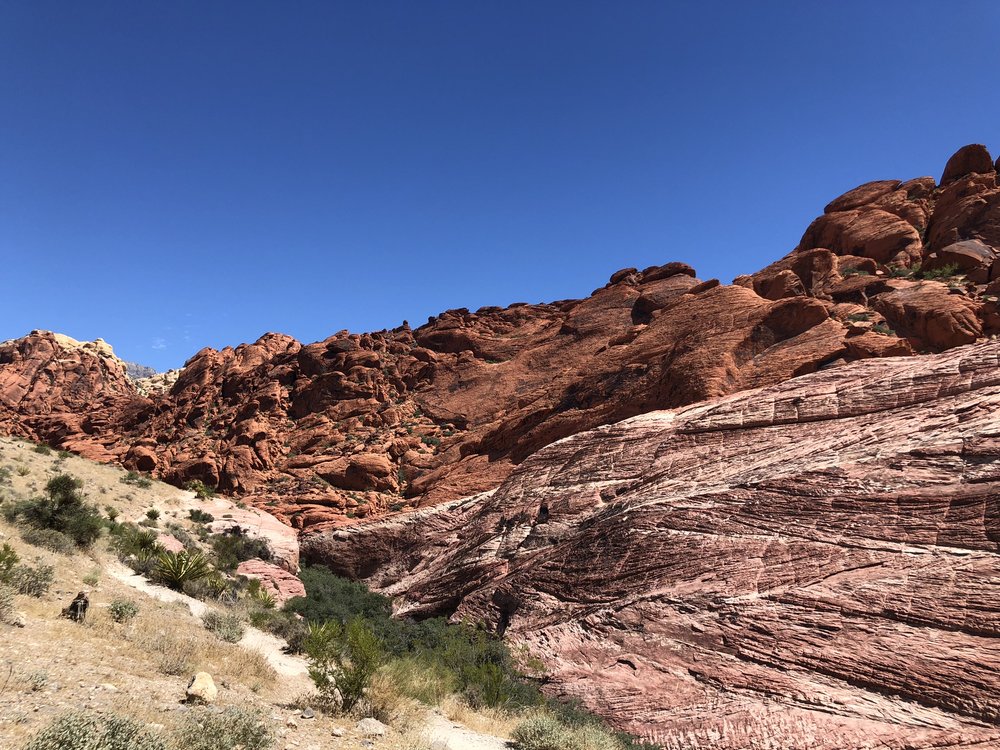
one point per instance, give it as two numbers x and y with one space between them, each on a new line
808 565
361 425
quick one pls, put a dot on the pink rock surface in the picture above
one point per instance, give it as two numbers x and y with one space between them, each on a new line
808 565
277 581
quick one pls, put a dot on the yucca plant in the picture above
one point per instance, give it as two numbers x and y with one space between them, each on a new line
259 595
174 569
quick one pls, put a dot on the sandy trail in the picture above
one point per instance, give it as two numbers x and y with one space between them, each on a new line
286 665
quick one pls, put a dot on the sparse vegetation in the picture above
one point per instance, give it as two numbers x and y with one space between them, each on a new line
123 610
84 730
49 539
152 514
936 274
31 580
235 727
42 449
225 626
199 516
137 479
201 490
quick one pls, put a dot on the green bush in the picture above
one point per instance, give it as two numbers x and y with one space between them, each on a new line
63 509
32 581
49 539
224 626
233 548
174 569
212 586
152 514
8 559
342 660
944 272
42 449
199 516
130 541
201 490
478 665
84 730
204 729
123 610
4 475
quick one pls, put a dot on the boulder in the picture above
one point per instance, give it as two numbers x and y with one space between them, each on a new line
201 689
974 158
275 580
372 728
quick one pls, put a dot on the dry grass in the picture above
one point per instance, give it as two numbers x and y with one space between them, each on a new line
485 720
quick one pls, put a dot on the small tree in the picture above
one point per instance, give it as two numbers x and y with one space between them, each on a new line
343 659
64 510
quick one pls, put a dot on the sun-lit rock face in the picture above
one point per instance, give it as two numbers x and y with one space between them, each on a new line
360 425
808 565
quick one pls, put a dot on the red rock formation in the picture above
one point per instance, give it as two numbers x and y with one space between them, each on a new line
809 565
360 425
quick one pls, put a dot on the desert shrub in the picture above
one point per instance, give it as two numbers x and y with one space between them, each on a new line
42 449
129 539
137 479
201 490
224 626
883 329
62 509
342 660
4 475
199 516
235 727
259 596
152 514
49 539
22 470
547 731
231 549
64 454
8 559
84 730
112 512
211 586
32 581
542 733
6 602
944 272
93 577
123 610
174 569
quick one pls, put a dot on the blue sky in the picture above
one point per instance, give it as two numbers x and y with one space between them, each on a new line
188 174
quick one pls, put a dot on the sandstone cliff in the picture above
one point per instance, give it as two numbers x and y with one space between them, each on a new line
360 425
808 565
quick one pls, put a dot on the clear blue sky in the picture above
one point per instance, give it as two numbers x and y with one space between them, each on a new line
182 174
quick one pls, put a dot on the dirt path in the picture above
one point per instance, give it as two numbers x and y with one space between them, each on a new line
444 734
288 666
